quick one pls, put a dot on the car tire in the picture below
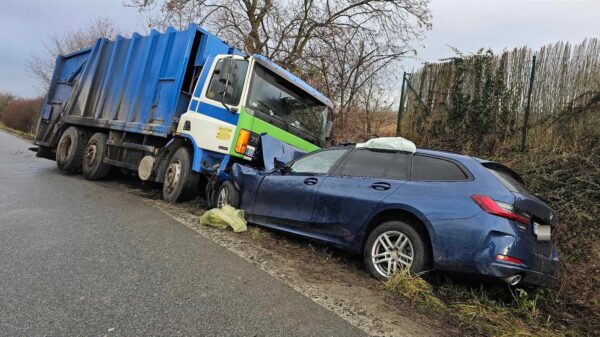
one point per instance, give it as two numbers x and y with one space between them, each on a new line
70 150
180 181
211 192
396 231
93 167
228 194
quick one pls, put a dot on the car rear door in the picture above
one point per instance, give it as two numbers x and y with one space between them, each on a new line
345 199
287 198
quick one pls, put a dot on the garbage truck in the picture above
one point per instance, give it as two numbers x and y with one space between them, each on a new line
178 108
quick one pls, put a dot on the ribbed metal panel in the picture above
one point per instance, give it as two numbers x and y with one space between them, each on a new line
130 84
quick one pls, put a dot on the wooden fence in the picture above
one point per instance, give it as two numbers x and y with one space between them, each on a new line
483 97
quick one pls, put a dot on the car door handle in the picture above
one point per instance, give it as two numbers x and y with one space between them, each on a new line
311 181
381 186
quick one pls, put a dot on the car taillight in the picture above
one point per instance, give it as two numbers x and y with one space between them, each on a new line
506 258
498 208
242 141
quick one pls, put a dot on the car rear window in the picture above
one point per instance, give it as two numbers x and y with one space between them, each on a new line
510 182
367 163
427 168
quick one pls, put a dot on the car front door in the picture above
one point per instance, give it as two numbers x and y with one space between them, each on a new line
287 198
346 198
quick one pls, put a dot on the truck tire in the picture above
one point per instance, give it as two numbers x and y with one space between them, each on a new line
228 194
70 150
93 167
180 182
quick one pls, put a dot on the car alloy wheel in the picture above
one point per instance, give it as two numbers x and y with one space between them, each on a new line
393 251
223 198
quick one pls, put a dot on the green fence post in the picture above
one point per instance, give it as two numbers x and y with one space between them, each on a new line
401 107
528 106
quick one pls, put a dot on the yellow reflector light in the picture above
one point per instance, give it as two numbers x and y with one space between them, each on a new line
242 141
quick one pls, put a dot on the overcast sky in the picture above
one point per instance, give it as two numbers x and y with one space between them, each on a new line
465 24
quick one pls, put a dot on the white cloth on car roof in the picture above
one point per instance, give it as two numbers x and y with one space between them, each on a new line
389 143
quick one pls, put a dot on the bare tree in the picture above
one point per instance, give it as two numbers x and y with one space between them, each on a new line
283 31
41 65
377 104
336 45
5 99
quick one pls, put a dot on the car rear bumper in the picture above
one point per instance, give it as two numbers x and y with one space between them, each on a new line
528 276
474 249
540 264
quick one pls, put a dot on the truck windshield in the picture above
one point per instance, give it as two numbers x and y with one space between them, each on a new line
277 98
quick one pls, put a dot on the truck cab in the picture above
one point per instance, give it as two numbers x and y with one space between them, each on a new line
238 98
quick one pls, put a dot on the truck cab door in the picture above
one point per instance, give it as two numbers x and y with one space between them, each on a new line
212 115
286 198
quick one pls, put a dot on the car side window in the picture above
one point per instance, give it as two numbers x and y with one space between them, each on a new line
427 168
367 163
400 168
318 163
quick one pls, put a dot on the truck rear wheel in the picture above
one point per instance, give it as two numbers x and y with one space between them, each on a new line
180 182
70 149
93 167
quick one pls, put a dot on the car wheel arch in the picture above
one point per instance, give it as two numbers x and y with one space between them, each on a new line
401 214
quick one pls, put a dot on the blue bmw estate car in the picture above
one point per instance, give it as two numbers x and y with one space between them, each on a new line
400 210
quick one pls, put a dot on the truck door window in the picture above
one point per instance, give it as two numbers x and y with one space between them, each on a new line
238 85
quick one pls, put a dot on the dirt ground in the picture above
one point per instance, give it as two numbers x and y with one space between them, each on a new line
332 278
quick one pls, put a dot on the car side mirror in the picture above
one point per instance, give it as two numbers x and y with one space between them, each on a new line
281 166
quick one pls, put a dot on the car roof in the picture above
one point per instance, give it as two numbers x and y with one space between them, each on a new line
446 154
440 153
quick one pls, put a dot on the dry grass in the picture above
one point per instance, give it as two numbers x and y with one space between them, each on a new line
25 135
415 289
489 311
258 234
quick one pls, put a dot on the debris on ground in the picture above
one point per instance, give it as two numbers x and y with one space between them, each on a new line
223 217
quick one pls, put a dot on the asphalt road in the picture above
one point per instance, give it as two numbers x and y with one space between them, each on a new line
81 258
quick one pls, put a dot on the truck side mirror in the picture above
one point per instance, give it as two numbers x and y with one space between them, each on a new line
227 77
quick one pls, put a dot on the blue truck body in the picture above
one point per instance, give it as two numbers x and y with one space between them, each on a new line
135 102
140 84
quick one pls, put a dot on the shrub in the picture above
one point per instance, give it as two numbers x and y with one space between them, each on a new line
23 114
5 98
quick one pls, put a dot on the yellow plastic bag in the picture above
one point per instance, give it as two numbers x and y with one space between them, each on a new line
224 217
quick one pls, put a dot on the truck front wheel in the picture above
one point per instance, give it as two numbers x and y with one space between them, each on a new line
180 182
70 149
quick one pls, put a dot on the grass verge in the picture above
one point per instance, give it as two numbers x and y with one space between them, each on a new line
493 310
24 135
